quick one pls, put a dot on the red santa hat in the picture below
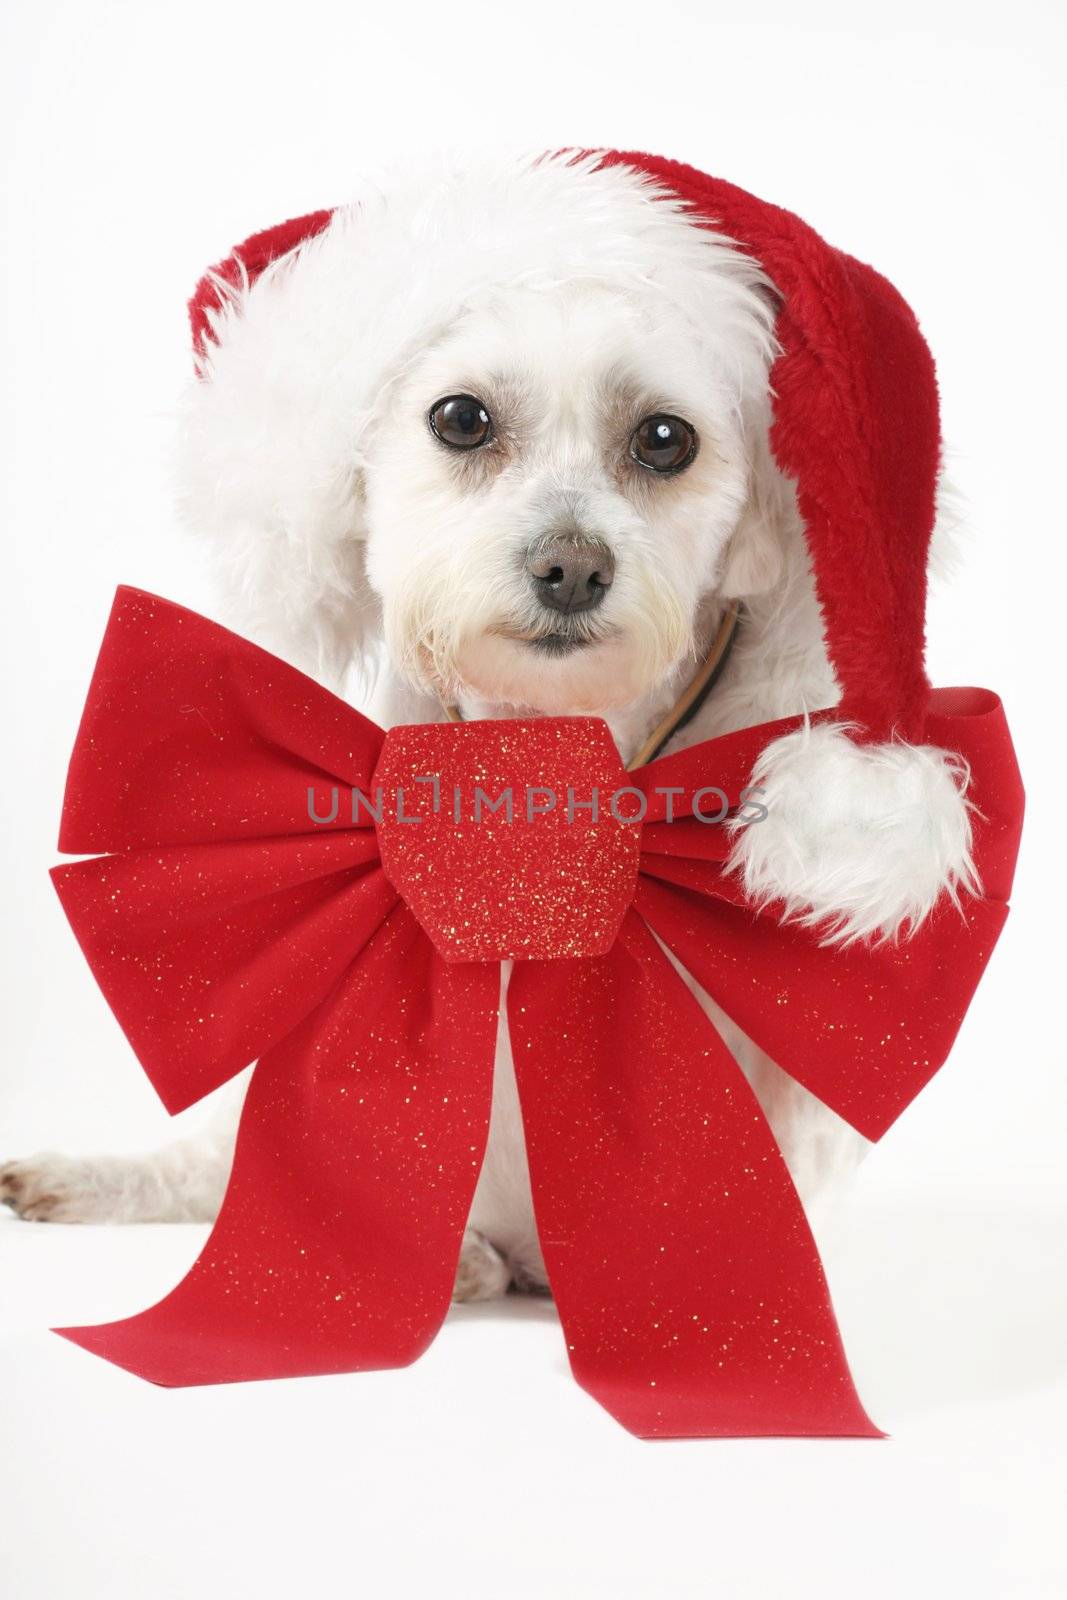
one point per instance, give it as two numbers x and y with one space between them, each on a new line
856 428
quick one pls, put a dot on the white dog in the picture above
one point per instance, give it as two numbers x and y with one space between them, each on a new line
499 440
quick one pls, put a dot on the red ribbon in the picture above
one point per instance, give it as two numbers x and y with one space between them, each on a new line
358 961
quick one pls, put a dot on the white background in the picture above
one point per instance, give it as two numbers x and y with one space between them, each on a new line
139 141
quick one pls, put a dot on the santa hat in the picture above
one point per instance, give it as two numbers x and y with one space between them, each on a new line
868 826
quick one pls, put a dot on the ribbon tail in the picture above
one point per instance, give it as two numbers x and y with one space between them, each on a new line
689 1286
357 1155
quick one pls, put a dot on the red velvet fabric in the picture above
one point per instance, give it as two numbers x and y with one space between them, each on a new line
224 924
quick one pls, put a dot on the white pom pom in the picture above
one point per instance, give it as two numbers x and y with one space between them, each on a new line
860 841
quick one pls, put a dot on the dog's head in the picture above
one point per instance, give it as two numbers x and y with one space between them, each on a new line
515 419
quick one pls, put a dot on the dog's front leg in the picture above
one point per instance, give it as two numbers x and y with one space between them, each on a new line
181 1182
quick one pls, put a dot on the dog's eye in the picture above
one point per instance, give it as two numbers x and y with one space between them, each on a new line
663 444
461 422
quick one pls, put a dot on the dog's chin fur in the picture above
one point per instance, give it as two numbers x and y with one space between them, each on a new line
596 678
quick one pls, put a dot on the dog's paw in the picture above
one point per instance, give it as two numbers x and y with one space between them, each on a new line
483 1274
51 1188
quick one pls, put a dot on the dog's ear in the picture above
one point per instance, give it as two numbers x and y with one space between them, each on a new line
269 465
290 563
755 553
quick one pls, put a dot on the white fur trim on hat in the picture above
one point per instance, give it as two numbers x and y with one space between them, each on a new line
860 841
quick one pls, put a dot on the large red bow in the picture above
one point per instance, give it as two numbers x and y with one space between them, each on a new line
358 961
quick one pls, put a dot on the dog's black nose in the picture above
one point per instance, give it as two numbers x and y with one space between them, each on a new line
570 574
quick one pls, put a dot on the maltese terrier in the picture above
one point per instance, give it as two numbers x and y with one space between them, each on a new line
495 444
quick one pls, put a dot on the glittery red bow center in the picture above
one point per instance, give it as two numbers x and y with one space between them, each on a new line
524 845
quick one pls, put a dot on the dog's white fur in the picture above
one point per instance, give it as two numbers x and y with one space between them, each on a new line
573 302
